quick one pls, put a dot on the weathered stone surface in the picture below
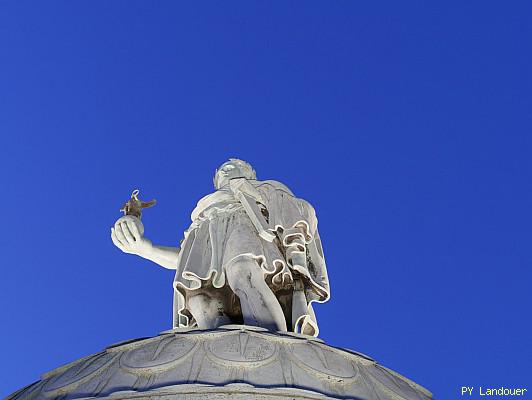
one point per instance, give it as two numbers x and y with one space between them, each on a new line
237 362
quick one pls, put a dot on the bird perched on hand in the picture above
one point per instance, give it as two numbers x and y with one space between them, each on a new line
134 206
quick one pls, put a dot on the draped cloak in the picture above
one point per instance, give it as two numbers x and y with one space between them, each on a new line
221 231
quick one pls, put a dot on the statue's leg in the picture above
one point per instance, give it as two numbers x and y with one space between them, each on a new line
207 309
259 305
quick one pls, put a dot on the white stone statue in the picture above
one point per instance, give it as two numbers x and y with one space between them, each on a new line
252 255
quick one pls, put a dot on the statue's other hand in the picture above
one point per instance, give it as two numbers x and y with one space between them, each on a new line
127 235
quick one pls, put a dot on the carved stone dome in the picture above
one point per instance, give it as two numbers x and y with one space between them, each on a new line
237 362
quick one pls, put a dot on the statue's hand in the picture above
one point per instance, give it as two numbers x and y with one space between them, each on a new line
127 235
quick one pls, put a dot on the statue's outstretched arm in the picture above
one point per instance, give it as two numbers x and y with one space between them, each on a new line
164 256
128 235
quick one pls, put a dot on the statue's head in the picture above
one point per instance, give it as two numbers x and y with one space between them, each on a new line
234 168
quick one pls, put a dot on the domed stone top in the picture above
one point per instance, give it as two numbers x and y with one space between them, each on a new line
234 361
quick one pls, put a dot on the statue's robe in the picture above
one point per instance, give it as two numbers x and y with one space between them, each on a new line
222 230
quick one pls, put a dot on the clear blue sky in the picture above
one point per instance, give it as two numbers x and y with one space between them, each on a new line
406 124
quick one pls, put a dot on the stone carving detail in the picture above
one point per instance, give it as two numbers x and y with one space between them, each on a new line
81 373
322 361
158 356
243 349
199 360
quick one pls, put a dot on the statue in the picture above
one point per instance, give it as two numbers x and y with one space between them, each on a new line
252 255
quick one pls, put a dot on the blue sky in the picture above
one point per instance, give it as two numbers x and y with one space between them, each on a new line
406 124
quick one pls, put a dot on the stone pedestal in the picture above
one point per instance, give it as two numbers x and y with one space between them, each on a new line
232 362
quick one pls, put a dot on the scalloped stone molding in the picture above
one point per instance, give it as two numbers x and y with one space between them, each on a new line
235 361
